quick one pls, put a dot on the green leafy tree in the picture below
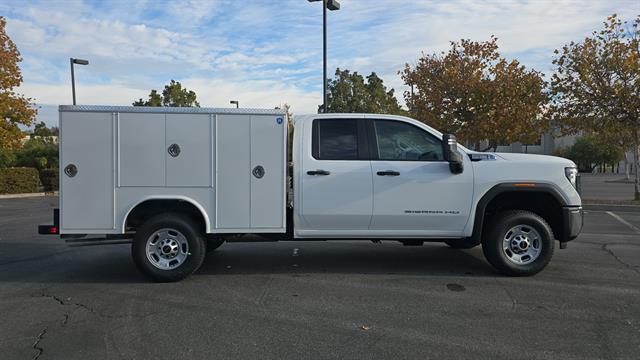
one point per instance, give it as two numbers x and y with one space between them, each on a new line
15 109
349 93
173 95
38 153
41 130
7 158
591 151
596 87
474 93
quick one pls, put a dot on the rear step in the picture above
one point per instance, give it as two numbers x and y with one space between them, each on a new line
108 239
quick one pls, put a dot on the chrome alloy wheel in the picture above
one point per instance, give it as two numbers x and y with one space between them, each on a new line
522 244
167 249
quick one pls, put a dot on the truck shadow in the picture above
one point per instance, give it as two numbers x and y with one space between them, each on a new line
344 257
113 264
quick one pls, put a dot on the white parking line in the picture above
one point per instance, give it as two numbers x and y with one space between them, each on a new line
625 222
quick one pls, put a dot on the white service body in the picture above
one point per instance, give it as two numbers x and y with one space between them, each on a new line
122 158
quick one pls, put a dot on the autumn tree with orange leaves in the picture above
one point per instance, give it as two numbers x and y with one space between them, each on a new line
15 109
474 93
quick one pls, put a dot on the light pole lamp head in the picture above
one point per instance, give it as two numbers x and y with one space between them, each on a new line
331 4
80 61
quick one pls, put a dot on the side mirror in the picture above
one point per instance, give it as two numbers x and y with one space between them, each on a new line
451 153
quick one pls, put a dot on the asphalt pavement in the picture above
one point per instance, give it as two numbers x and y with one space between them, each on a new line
317 300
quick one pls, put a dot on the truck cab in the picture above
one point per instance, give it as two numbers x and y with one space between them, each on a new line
354 176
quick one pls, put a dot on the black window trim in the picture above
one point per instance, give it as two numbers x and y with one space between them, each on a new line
373 140
362 139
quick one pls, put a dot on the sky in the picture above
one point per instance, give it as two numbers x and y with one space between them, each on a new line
264 53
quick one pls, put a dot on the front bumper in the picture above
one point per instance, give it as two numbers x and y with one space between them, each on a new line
573 219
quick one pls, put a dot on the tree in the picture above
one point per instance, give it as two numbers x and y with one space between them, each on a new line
15 109
39 153
472 92
596 86
348 93
172 95
591 151
41 130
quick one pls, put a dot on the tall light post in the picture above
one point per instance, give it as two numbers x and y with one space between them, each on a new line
331 5
73 79
236 102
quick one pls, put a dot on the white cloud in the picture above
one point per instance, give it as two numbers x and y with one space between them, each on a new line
263 53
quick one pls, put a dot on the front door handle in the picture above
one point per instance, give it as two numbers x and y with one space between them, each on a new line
388 173
318 172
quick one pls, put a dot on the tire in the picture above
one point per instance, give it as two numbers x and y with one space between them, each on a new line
518 243
169 247
466 243
214 243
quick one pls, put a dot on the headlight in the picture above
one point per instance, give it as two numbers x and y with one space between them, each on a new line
572 175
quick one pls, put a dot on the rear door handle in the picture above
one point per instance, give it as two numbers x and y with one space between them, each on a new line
388 173
318 172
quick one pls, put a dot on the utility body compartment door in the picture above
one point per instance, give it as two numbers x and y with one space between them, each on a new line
86 145
250 173
189 161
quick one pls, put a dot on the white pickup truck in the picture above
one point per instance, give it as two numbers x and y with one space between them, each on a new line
178 182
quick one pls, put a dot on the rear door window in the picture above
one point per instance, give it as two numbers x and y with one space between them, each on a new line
335 139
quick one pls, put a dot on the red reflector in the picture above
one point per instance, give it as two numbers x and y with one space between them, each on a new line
53 230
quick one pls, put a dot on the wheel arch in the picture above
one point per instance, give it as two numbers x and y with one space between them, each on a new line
551 211
177 202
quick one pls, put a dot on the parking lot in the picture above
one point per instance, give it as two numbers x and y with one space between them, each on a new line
317 300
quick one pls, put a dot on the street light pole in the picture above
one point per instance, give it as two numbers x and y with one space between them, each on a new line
331 5
324 56
73 78
235 102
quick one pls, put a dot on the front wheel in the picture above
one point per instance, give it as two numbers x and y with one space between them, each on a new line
168 247
518 243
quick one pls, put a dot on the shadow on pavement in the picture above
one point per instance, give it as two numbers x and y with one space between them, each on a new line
113 264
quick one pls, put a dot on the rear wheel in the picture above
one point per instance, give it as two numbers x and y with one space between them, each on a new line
518 243
168 247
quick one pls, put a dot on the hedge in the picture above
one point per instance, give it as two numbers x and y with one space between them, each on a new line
49 178
18 180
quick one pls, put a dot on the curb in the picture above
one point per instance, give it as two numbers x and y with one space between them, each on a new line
28 195
611 207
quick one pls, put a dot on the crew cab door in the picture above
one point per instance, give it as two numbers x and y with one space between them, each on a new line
335 177
414 192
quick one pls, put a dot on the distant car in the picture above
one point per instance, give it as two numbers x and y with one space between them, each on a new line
176 180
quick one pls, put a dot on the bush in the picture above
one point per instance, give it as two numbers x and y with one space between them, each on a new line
49 178
18 180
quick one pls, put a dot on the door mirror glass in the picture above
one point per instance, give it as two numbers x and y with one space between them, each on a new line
451 153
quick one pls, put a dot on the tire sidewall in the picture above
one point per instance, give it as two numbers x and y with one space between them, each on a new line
492 245
181 223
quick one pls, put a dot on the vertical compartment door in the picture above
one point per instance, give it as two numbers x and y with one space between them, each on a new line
268 171
86 171
142 152
188 154
233 160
